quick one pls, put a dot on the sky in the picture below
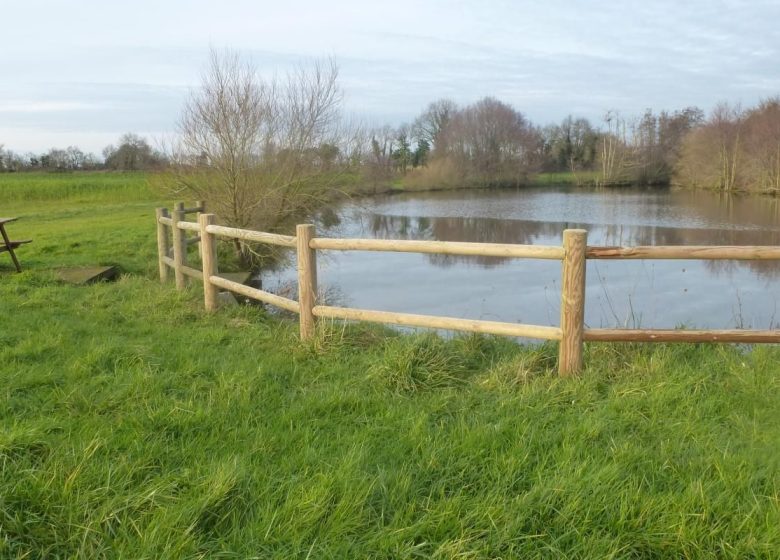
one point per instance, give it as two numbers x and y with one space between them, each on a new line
83 72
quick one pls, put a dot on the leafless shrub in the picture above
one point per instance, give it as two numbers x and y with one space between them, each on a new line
259 151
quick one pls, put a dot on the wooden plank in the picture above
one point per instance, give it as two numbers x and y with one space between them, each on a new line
447 323
681 335
14 245
249 235
441 247
697 252
166 221
169 261
8 244
307 279
572 302
254 293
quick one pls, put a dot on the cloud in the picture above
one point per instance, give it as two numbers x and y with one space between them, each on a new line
43 106
102 69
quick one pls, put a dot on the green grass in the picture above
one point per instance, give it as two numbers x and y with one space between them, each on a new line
136 426
74 187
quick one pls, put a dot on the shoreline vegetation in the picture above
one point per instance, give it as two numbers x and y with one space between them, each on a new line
135 425
118 186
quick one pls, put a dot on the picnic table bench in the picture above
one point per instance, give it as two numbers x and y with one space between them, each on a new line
8 245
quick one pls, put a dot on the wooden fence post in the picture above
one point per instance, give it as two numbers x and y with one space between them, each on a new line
202 205
179 246
572 302
209 257
162 243
307 278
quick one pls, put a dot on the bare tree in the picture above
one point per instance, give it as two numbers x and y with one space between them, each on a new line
491 142
712 154
762 146
251 146
133 153
379 162
726 122
430 125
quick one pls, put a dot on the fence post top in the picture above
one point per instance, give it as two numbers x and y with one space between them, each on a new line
575 232
206 218
304 226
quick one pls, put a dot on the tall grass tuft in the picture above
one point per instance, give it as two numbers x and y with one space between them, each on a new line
420 362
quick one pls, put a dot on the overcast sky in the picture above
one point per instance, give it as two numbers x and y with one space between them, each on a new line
85 71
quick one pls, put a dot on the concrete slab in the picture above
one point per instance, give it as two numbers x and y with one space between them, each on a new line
226 299
87 274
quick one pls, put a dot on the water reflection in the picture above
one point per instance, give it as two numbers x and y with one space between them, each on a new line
658 294
491 230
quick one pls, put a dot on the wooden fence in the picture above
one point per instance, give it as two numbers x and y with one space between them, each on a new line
573 254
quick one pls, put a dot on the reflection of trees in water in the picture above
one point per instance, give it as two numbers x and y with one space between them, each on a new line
491 230
478 230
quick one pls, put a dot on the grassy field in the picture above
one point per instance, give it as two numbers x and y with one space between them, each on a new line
74 187
135 426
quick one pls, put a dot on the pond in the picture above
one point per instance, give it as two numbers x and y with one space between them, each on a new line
629 293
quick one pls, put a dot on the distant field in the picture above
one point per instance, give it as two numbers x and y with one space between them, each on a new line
133 425
74 187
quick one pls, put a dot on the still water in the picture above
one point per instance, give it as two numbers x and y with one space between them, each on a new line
649 294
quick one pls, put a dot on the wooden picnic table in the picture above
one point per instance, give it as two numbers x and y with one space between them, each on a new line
9 245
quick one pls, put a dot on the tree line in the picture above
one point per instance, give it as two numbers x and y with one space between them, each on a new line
490 143
131 153
287 136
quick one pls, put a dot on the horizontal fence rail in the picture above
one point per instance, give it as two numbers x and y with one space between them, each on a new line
573 254
681 335
249 235
440 248
189 226
254 293
692 252
435 322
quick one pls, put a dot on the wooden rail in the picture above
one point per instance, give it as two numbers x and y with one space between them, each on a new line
249 235
254 293
681 335
573 254
697 252
441 248
189 226
434 322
